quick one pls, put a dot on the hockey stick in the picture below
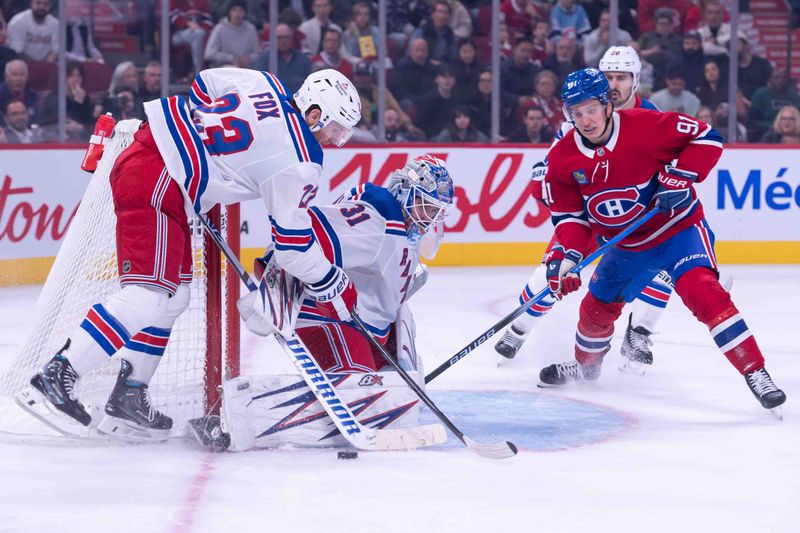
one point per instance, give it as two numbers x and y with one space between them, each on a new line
499 450
486 335
361 437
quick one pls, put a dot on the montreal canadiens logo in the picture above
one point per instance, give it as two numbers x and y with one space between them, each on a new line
615 207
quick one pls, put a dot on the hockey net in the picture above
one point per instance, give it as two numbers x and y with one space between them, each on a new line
203 348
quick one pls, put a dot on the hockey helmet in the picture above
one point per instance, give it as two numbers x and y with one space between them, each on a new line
336 98
425 191
622 59
582 85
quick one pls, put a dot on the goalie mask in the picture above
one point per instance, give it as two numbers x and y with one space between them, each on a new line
425 191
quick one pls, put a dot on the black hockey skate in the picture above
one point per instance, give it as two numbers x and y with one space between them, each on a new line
510 343
765 391
635 349
50 397
129 414
207 430
572 371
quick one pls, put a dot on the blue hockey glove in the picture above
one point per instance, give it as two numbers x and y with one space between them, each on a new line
674 191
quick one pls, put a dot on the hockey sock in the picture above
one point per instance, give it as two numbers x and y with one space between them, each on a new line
651 302
145 349
107 325
595 329
538 281
711 304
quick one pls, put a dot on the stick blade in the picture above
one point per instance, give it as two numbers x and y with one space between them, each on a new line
498 450
410 438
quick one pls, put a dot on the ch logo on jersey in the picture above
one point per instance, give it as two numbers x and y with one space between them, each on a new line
615 207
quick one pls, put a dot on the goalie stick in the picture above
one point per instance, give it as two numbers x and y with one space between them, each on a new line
499 450
486 335
358 435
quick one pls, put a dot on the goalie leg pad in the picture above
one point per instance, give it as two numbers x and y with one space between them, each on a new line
339 348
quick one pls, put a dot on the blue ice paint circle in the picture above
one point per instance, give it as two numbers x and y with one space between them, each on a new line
534 422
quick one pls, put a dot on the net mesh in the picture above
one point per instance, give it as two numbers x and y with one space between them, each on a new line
84 273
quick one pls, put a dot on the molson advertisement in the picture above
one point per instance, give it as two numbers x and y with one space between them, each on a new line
751 200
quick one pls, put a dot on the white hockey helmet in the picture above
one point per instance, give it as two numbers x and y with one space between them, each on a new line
336 98
622 59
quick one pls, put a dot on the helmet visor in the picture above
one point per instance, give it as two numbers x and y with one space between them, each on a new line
336 133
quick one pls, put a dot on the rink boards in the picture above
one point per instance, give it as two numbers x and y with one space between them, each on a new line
751 199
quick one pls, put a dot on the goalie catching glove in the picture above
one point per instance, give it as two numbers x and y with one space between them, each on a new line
335 295
559 263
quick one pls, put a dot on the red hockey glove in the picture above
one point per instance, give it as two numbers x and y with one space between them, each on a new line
559 262
335 295
674 191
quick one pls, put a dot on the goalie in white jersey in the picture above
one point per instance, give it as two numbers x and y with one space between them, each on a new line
241 137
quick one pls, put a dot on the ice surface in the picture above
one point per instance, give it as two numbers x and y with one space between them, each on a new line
684 448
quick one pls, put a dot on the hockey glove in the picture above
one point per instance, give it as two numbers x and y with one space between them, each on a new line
674 191
559 262
538 173
335 295
254 310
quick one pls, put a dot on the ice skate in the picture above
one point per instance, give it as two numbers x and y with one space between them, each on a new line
559 374
509 344
636 354
129 414
49 397
207 430
765 391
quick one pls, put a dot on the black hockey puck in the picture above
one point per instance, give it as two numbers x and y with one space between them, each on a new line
347 455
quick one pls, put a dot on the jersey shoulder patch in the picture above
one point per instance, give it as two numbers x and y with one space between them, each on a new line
647 104
381 200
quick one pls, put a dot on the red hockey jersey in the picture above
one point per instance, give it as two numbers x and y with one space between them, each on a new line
603 189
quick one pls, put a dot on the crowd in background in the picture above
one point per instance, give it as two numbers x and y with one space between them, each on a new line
438 51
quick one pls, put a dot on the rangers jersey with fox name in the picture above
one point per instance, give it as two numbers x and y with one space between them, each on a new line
240 139
364 233
603 188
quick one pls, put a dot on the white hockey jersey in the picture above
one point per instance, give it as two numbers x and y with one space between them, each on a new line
241 140
364 233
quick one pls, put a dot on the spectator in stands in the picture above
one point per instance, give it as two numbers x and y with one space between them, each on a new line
461 128
293 65
257 12
647 10
15 87
33 33
768 100
674 97
569 19
414 75
234 40
517 75
506 48
315 27
368 90
330 57
79 107
438 34
519 16
695 13
18 129
6 53
190 24
396 131
125 76
565 60
80 43
436 107
713 90
542 45
786 127
706 114
753 70
546 97
599 40
482 103
721 125
716 34
534 129
461 20
467 69
660 46
362 38
690 60
150 88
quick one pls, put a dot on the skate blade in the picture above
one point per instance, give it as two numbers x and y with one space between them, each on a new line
126 431
35 404
777 412
633 367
